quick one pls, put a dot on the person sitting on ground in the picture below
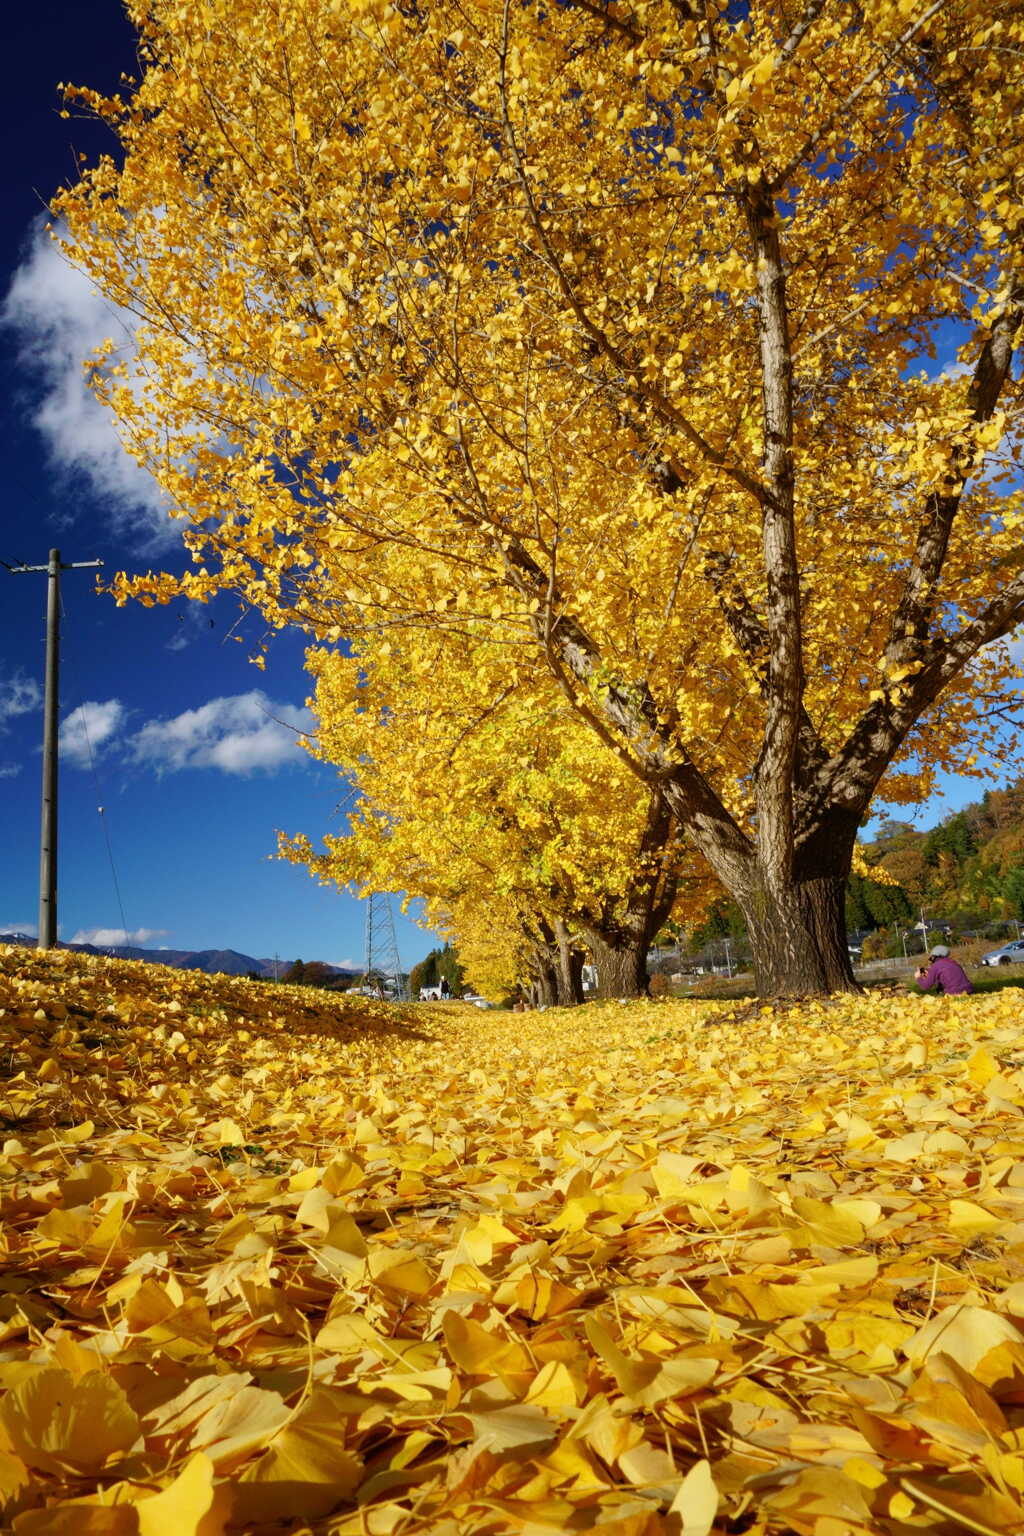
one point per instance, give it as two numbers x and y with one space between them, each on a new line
943 973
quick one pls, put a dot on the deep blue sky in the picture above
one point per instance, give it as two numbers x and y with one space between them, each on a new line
193 773
191 800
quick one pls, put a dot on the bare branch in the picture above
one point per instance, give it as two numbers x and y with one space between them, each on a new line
601 13
811 11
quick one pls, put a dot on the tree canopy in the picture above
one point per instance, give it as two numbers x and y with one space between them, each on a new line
483 802
669 345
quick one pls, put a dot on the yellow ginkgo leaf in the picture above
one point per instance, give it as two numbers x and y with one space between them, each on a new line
306 1471
186 1506
52 1421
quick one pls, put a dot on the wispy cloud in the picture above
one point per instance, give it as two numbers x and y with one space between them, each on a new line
88 729
19 695
240 734
60 319
9 770
102 937
28 929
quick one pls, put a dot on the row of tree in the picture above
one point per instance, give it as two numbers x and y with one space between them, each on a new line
568 373
536 850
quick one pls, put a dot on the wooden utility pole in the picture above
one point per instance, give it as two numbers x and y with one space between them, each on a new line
48 817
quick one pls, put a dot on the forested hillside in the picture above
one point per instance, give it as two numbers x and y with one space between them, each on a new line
968 870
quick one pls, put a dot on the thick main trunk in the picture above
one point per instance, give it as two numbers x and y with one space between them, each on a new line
544 978
620 960
798 938
797 927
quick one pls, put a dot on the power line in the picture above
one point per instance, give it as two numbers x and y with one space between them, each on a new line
101 810
83 720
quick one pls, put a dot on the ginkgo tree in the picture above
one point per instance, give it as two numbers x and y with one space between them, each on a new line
529 844
673 338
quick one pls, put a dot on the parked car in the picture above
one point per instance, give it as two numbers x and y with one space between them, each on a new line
1009 954
479 1002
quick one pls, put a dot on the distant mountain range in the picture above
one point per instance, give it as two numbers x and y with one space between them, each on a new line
227 962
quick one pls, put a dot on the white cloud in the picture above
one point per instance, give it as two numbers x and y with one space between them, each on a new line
19 695
60 319
107 936
9 770
87 729
953 370
237 734
28 929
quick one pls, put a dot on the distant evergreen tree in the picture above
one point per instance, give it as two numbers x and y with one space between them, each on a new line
857 915
439 965
1013 891
724 920
887 904
955 838
309 973
872 905
424 974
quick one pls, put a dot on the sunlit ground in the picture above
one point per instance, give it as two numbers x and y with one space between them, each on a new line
282 1261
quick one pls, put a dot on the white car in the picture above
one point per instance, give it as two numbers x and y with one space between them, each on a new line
478 1002
1010 954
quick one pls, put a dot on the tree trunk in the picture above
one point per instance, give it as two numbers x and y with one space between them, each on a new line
556 965
619 954
798 938
544 986
797 928
619 937
570 968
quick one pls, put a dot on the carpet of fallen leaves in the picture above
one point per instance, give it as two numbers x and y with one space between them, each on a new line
275 1260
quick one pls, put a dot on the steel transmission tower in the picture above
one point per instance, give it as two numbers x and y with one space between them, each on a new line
382 961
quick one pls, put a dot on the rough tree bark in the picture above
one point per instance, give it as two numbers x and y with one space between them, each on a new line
543 967
619 955
555 965
620 935
570 967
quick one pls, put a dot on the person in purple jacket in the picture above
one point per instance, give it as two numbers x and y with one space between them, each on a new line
943 973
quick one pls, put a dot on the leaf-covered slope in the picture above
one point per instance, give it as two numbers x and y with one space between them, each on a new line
279 1262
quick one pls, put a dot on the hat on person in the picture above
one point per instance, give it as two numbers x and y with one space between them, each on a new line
938 950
